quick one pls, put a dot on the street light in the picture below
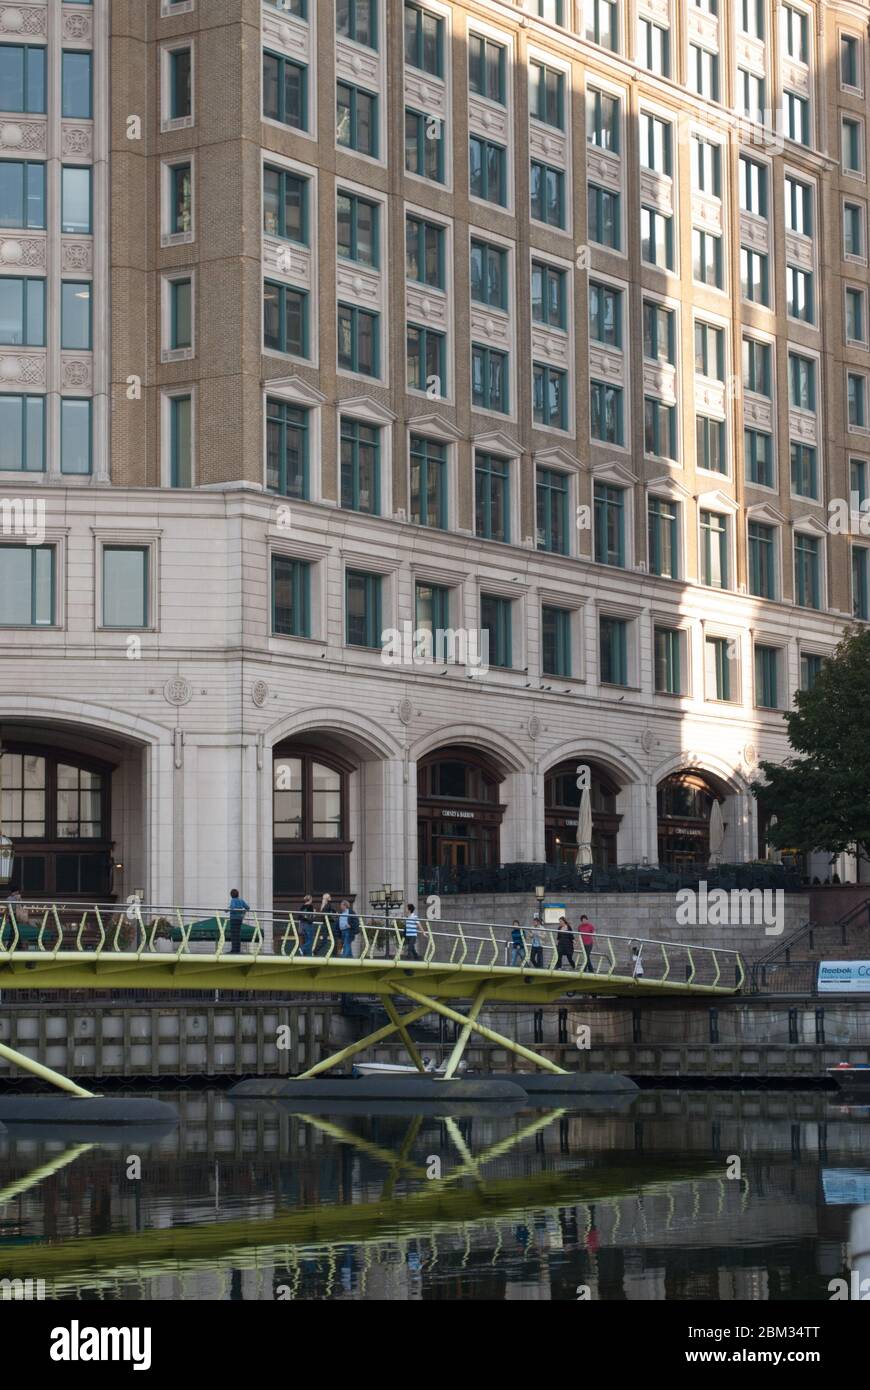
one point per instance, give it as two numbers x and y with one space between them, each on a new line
385 900
7 849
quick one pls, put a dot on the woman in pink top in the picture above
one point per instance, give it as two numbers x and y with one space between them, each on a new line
586 930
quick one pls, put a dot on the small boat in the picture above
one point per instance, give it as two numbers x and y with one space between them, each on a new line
851 1076
400 1069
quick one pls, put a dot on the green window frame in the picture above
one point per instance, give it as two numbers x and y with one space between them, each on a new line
124 610
77 84
22 434
853 230
285 90
707 258
857 483
797 112
659 428
551 504
856 398
549 295
549 396
709 351
358 233
76 200
754 276
363 599
798 207
659 332
714 550
288 441
609 510
76 436
76 319
802 382
487 68
547 194
849 61
710 444
605 314
22 78
359 333
757 366
487 170
556 642
753 186
807 577
707 166
613 650
489 274
291 597
811 668
654 46
656 238
656 144
547 94
432 610
180 84
860 600
667 661
855 315
804 469
602 120
424 40
428 460
180 441
180 199
180 314
360 466
552 10
800 297
424 252
603 223
758 452
704 67
426 360
495 622
850 145
27 599
664 538
606 412
285 319
358 20
489 379
719 666
424 153
22 312
766 677
492 497
22 194
762 560
356 119
601 23
286 205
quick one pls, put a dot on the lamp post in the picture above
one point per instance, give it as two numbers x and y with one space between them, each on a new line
7 849
385 900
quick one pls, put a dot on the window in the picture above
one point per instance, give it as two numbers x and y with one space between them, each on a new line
658 332
489 275
751 17
849 62
811 666
556 642
486 68
356 119
125 586
807 586
766 664
285 91
660 428
707 166
285 205
487 170
798 207
751 92
424 252
853 230
489 378
22 78
550 396
756 366
855 316
424 145
75 436
432 613
360 467
605 314
860 602
655 144
426 360
714 550
707 258
358 221
363 609
299 8
602 120
710 444
606 421
549 295
804 472
27 586
547 94
553 10
180 84
851 152
75 315
491 497
857 483
613 648
753 186
855 398
428 482
666 656
603 217
76 94
424 40
180 441
495 623
180 314
718 668
287 437
22 434
609 503
75 216
754 276
601 24
796 25
758 449
799 284
762 560
358 340
357 20
181 199
552 511
291 597
285 319
22 312
802 382
704 71
656 238
710 351
547 194
654 47
663 538
22 194
797 118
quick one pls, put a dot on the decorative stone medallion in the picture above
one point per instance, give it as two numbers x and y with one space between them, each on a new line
534 727
178 691
405 711
259 693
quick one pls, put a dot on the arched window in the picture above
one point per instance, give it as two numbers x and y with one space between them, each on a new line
458 810
685 801
310 823
56 810
562 806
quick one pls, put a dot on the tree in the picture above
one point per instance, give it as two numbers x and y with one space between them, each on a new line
821 798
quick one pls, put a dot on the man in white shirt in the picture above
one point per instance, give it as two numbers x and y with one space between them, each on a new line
413 927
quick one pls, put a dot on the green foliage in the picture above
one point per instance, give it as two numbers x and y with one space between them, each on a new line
821 797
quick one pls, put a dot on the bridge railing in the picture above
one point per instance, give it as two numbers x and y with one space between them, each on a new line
146 929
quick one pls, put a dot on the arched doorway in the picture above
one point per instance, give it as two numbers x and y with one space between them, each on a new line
459 814
56 808
561 808
311 817
685 800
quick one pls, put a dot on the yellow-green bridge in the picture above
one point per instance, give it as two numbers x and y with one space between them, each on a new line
57 946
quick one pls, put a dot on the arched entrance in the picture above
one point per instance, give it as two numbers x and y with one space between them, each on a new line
685 801
311 822
562 806
56 807
459 814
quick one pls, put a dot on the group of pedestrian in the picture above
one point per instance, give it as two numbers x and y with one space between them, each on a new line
565 938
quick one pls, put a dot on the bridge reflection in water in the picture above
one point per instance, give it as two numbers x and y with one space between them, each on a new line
255 1202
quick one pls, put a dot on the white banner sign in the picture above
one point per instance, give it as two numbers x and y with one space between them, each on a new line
844 977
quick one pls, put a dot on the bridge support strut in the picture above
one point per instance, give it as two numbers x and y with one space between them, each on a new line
63 1083
470 1022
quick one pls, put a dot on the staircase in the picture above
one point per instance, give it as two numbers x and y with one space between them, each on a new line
791 966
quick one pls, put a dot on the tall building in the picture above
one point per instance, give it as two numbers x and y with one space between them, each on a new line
404 404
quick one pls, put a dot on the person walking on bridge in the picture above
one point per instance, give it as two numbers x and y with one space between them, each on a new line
537 943
306 922
236 913
587 936
413 927
565 944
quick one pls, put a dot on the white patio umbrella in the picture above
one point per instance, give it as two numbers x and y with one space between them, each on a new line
583 857
717 833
